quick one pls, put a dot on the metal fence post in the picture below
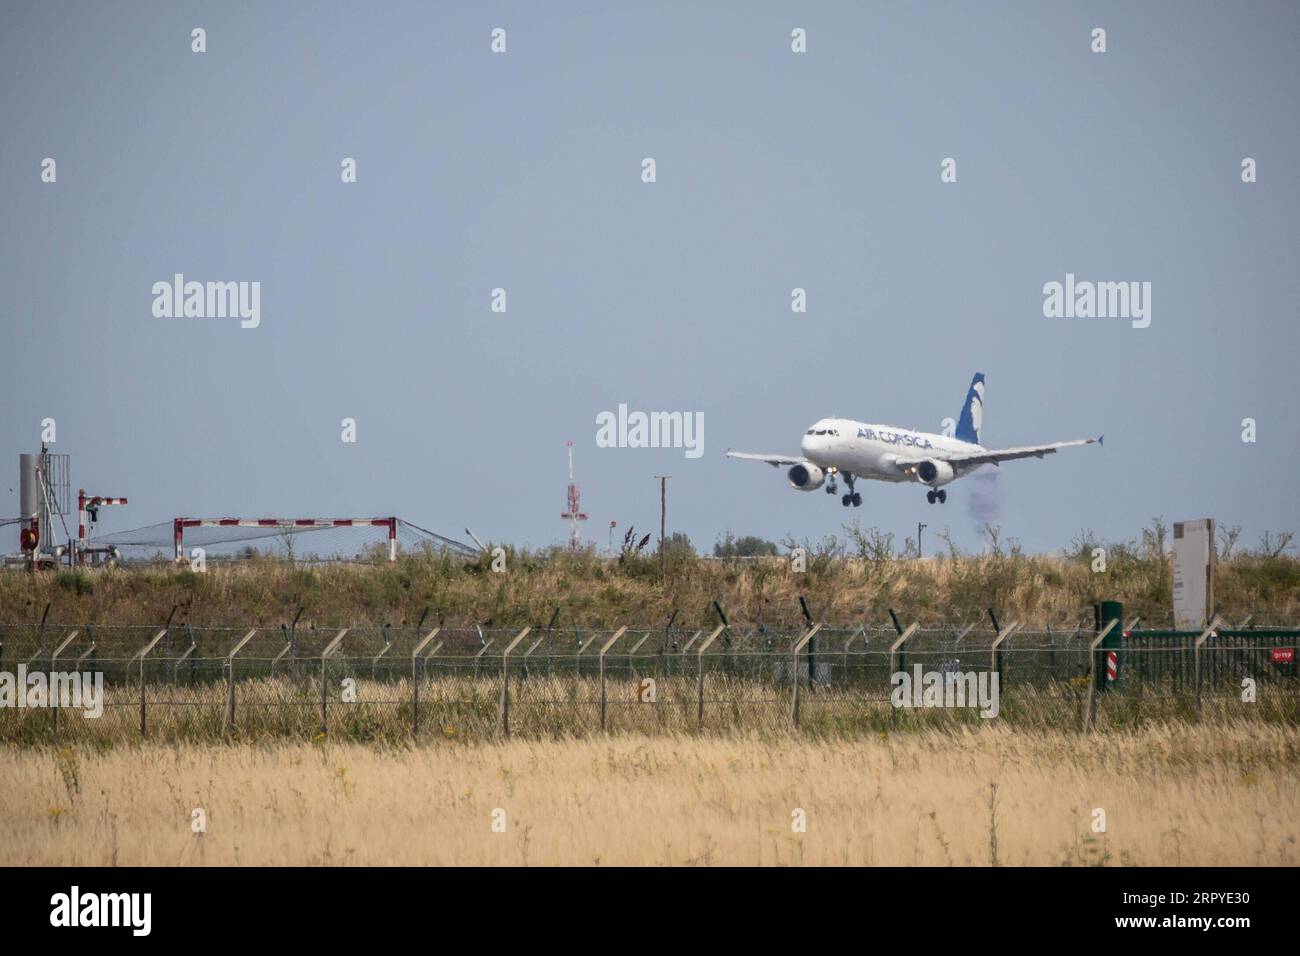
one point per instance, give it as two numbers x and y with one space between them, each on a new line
144 652
228 718
608 644
284 652
228 721
1092 678
862 630
194 646
996 663
895 655
92 652
529 653
798 646
699 674
505 680
40 632
324 679
54 710
631 655
388 646
1196 658
478 659
415 679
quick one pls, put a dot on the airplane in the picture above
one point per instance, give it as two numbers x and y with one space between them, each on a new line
841 447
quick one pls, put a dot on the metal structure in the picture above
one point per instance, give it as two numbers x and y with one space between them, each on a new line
44 506
43 497
326 539
88 514
575 512
177 682
287 525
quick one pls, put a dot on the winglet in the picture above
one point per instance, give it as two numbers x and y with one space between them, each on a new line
1101 439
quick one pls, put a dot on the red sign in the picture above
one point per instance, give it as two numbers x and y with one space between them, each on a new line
1283 655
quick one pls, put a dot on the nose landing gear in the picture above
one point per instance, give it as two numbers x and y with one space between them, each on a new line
940 496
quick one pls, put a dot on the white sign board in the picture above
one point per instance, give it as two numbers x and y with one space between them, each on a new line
1193 573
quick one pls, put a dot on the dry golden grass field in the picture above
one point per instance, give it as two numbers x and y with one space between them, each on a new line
1176 795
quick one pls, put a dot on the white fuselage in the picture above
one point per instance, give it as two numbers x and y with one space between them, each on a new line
867 451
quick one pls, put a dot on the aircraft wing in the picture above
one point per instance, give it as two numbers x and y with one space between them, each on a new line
776 461
998 455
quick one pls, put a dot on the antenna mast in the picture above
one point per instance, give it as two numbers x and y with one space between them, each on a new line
575 512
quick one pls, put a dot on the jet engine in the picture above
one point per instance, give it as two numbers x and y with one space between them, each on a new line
806 477
934 473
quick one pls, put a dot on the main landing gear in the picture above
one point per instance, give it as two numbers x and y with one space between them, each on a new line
940 496
852 498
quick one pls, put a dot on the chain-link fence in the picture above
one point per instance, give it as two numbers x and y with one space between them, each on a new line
96 683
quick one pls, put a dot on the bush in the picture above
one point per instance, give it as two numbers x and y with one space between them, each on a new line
75 581
749 546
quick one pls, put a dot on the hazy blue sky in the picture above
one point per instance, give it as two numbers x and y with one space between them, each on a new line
775 170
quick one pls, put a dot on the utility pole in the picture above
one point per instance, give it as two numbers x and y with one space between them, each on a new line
663 520
919 528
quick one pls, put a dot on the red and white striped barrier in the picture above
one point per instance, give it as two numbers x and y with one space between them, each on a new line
1112 665
85 501
180 524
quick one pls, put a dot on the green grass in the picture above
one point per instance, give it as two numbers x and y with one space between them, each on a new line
847 581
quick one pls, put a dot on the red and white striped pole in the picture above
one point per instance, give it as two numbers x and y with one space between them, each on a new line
1112 665
82 504
392 540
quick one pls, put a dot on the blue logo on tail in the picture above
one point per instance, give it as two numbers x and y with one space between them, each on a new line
972 412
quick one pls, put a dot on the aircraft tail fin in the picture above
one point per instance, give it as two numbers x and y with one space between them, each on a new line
972 412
